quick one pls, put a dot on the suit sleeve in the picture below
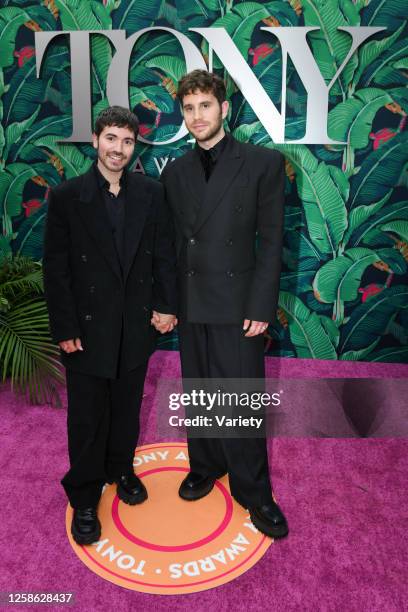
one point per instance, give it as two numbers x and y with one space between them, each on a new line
263 296
164 258
57 275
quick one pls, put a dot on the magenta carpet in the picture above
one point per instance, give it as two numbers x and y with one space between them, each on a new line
345 500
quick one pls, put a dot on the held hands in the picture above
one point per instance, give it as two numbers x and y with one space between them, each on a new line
163 322
70 346
254 328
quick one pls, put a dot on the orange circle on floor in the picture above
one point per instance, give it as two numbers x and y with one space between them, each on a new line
166 545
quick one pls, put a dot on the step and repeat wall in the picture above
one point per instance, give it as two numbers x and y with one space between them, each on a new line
324 81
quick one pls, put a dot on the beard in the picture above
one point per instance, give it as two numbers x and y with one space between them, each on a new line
215 130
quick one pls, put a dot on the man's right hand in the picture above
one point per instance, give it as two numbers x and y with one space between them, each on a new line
70 346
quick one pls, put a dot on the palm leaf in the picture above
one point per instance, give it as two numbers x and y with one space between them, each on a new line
27 351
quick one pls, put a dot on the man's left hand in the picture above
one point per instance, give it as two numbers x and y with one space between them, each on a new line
255 327
163 322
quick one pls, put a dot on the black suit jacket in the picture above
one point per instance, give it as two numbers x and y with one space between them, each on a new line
228 233
87 293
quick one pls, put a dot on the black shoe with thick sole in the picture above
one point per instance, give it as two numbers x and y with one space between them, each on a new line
131 489
195 486
269 520
85 526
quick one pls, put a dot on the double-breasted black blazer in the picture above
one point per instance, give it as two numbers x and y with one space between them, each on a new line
88 294
228 233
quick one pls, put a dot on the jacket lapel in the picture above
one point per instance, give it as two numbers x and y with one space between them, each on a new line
137 204
92 210
224 173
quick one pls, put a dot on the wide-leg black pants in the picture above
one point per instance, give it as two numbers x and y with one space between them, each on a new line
103 429
223 351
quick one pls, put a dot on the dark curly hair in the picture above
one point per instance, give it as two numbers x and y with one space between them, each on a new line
119 116
203 81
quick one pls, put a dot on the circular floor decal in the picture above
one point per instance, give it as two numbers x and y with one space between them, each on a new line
166 545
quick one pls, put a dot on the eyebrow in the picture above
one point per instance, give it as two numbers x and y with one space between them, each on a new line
115 136
202 102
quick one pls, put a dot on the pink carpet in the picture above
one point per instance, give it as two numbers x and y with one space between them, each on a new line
345 501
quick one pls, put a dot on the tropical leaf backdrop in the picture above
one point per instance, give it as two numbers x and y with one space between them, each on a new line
344 287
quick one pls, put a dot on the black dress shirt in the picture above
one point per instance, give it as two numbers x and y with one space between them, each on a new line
209 157
115 207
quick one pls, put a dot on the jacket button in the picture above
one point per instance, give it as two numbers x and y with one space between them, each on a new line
83 257
141 281
92 289
228 242
230 274
192 241
88 317
238 208
191 273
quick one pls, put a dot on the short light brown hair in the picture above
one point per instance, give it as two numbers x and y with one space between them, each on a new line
204 81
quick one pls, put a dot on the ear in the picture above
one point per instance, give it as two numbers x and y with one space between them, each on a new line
94 140
224 108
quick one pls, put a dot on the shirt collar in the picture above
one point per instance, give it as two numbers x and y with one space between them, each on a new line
215 151
103 183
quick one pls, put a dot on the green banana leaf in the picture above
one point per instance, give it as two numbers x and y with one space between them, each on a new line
11 20
330 45
15 131
361 214
379 172
385 13
30 237
42 15
396 354
239 23
368 321
351 121
58 125
134 15
24 94
359 355
398 226
307 333
394 211
12 183
298 282
79 15
325 210
377 71
151 45
340 278
73 162
393 258
174 67
371 51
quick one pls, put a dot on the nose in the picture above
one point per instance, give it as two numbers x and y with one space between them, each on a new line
197 113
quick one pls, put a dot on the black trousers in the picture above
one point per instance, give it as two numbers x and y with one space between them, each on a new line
103 429
222 351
